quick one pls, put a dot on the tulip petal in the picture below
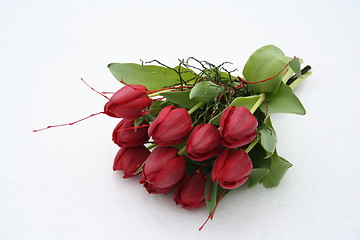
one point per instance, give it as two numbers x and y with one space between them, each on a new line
156 161
171 173
162 115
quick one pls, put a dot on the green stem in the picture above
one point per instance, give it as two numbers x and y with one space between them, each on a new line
252 144
182 151
160 92
151 146
258 103
299 80
139 169
196 107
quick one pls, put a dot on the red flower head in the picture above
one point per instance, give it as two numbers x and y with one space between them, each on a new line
237 127
190 193
130 159
232 168
152 189
125 135
172 126
203 143
128 102
164 168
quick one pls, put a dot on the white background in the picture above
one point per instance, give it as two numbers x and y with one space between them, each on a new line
59 183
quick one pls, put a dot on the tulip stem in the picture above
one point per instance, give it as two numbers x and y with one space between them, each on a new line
159 93
196 107
252 144
182 151
139 169
299 80
151 146
258 103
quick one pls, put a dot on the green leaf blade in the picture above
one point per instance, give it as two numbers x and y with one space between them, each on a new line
283 101
205 91
278 168
180 98
265 63
268 138
256 175
211 194
151 76
247 102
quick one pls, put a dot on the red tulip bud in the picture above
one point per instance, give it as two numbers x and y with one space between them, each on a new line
172 126
164 167
126 135
190 193
130 159
203 143
237 127
232 168
128 102
152 189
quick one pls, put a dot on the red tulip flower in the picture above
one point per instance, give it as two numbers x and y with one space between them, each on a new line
130 159
237 127
172 126
203 143
128 102
125 135
190 193
164 167
155 190
232 168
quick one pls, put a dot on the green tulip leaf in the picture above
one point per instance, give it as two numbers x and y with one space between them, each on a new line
247 102
151 76
278 168
283 101
295 66
205 91
266 62
211 194
268 137
256 175
258 157
180 98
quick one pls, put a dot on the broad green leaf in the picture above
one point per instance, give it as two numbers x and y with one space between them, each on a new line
283 101
266 62
256 175
268 137
151 76
258 157
210 194
295 66
205 91
278 168
180 98
247 102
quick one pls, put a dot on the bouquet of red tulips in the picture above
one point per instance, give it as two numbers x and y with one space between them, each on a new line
200 131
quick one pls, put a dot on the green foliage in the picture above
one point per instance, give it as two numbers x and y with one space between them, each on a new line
265 63
268 138
283 101
151 76
276 165
211 194
205 91
247 102
180 98
278 168
256 175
